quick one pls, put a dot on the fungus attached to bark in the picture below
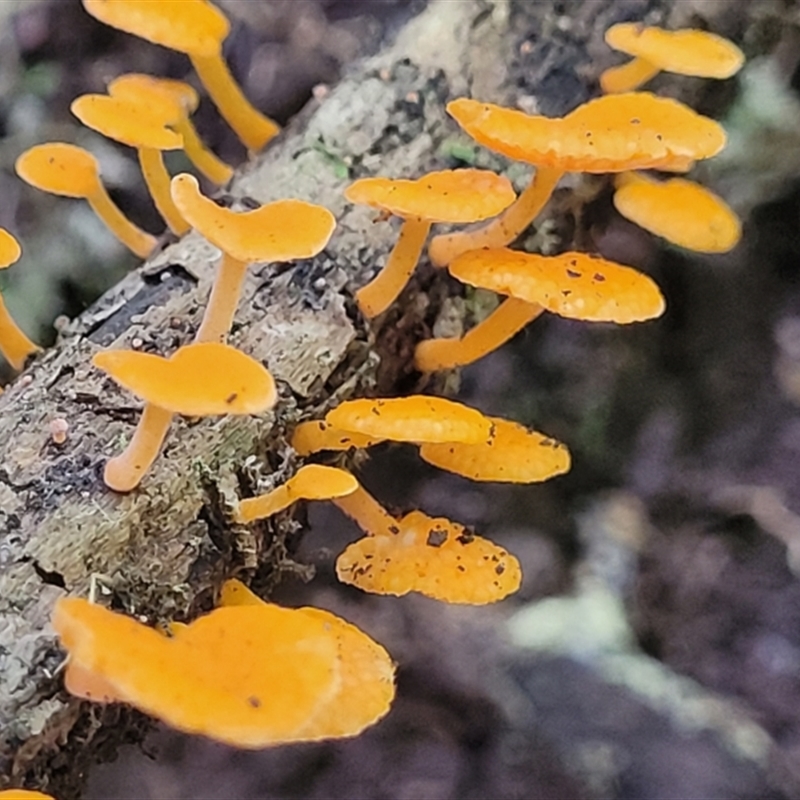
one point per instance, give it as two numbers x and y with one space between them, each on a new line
366 687
511 454
196 28
129 123
177 101
680 211
685 52
15 346
67 170
216 677
574 285
433 556
281 231
417 418
311 482
197 380
467 195
615 133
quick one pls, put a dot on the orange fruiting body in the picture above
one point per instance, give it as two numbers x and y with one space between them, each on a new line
15 345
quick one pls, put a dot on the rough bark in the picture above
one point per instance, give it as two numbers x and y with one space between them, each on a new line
160 551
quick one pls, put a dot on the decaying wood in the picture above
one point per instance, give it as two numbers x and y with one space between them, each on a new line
160 551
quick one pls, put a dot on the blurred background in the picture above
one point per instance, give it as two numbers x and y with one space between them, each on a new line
654 649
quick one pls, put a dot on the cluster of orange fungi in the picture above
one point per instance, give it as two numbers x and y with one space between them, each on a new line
216 675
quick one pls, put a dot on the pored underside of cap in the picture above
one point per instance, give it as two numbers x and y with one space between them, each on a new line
574 285
195 27
511 454
465 195
60 168
686 52
281 231
133 124
198 380
216 676
10 251
418 418
618 132
681 212
432 556
366 686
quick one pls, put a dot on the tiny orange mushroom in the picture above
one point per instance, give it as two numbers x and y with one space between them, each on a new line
130 123
15 346
685 52
615 133
574 285
366 688
281 231
196 28
433 556
467 195
680 211
180 384
176 101
310 482
511 454
67 170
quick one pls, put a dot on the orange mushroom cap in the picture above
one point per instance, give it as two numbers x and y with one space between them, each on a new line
60 168
685 52
680 211
464 195
10 251
124 121
197 380
418 418
216 677
435 557
609 134
512 454
194 27
574 285
366 688
315 435
311 482
173 99
279 231
23 794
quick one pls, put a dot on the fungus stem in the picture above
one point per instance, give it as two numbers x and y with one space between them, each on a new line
223 300
628 77
133 237
367 513
252 127
124 472
14 344
502 230
382 291
157 179
216 170
504 322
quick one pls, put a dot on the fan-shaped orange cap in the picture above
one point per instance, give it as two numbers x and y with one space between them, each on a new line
680 211
366 688
418 418
685 52
574 285
60 168
512 454
315 435
464 195
10 251
311 482
124 121
279 231
218 676
197 380
174 99
609 134
433 556
195 27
